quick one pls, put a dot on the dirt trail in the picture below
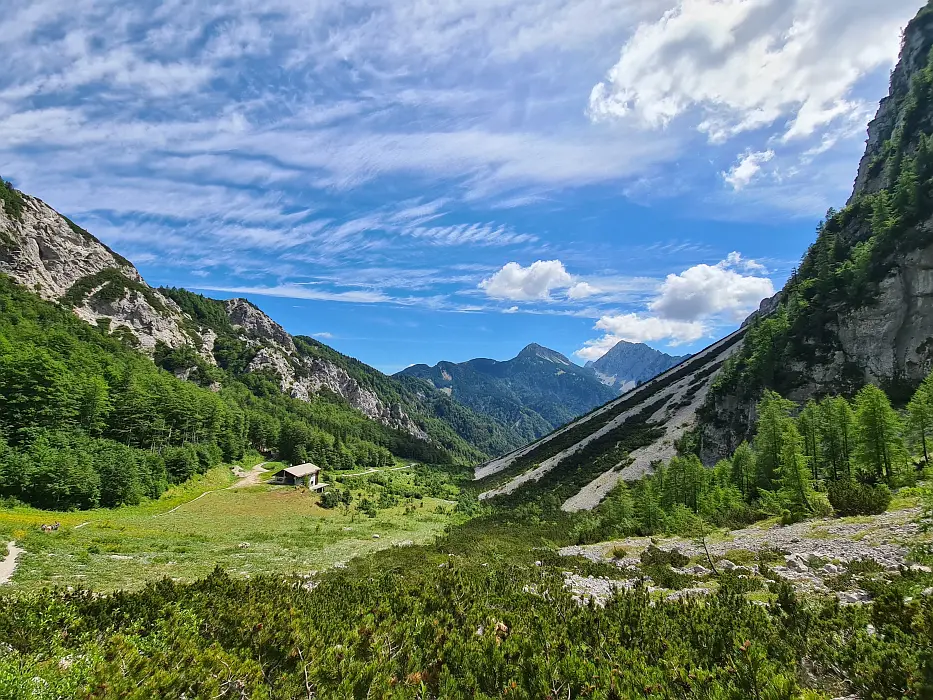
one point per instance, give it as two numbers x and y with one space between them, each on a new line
8 565
249 480
252 478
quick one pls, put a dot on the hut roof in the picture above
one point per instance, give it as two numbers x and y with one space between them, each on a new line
300 470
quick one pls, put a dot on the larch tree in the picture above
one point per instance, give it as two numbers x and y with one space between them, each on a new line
879 446
773 420
794 484
920 418
809 424
743 469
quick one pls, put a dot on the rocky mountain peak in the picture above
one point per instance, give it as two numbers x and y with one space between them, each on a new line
52 256
256 324
626 365
535 350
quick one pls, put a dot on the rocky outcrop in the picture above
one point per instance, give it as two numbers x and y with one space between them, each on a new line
301 376
48 254
256 325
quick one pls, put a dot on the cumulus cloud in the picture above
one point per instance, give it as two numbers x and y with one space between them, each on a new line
582 290
705 290
740 65
746 168
535 282
687 305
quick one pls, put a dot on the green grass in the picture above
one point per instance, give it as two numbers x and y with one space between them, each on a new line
248 531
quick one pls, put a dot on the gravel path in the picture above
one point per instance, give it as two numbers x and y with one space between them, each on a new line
252 478
8 565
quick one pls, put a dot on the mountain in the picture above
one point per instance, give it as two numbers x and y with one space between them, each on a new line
533 393
857 311
211 342
627 365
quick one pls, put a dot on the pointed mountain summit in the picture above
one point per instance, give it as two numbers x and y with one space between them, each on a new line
534 350
627 365
535 392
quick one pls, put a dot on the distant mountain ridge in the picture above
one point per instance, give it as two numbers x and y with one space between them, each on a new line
533 393
627 365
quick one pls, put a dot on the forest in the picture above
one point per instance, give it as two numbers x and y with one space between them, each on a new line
87 421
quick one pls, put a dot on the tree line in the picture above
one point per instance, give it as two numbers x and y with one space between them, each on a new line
87 421
830 455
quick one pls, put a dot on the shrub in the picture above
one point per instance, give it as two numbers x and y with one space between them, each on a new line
652 556
851 498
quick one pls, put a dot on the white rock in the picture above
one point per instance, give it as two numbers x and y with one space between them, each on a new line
831 569
726 565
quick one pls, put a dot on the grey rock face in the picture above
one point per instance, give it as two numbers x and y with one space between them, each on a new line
302 377
256 324
47 256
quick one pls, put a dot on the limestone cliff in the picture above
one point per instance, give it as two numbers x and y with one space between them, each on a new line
860 308
302 376
50 255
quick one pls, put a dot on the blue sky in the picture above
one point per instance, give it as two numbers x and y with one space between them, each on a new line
418 180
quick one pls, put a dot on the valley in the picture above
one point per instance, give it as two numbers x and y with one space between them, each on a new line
750 520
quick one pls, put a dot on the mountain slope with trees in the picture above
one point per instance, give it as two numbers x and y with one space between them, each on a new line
856 312
533 393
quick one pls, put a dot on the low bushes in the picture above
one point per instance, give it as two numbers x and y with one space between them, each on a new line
852 498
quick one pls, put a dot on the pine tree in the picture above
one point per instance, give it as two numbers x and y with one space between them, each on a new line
879 439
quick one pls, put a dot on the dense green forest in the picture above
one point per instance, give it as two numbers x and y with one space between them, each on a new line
85 420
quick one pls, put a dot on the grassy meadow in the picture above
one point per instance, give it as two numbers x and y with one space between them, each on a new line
246 530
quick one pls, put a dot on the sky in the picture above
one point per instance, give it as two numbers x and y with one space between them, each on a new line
421 180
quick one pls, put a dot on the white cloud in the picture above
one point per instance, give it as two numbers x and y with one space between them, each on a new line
705 290
746 168
535 282
687 306
324 335
740 65
638 328
582 290
511 310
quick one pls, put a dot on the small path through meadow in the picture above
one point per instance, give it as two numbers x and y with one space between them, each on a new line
8 565
249 480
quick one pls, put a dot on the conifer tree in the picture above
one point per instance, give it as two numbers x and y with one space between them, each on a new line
773 420
837 430
809 426
920 418
794 485
879 439
743 469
